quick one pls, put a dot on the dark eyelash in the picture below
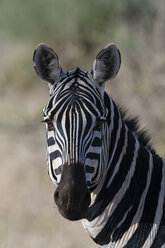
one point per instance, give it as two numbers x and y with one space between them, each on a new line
49 123
99 121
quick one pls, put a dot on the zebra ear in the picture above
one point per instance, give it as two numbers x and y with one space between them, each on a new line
106 64
46 63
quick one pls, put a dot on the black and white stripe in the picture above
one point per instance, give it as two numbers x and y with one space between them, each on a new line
129 207
127 180
73 116
125 176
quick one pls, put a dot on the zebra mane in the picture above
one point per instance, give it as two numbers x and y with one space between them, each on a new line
132 123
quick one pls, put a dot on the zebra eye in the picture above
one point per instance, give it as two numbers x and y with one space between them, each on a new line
99 121
49 124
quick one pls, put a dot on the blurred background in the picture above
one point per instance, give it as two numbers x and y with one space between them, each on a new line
77 30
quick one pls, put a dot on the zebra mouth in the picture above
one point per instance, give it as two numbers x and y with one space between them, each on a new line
73 208
73 214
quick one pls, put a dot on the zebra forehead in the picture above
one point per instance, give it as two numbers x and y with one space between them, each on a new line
76 79
75 88
74 103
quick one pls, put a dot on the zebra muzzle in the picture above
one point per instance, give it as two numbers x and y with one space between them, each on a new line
72 196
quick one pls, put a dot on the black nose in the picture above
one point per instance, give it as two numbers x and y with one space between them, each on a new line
72 196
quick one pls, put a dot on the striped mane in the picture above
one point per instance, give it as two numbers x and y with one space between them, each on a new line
141 134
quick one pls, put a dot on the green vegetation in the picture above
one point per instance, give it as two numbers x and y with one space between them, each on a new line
87 22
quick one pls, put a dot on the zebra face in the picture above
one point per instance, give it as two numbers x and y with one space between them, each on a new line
76 124
75 116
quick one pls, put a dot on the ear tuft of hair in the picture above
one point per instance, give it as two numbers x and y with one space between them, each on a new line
46 63
106 64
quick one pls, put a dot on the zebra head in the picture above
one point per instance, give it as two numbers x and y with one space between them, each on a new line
76 123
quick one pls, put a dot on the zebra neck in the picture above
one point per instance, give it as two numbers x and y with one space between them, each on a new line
132 184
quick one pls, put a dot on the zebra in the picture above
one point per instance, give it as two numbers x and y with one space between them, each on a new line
106 172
